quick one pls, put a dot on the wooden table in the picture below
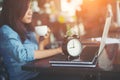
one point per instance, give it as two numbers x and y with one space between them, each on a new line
108 66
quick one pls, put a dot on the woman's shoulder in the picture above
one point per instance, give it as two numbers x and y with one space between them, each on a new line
8 31
5 28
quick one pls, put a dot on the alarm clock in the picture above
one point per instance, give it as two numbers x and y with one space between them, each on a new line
72 46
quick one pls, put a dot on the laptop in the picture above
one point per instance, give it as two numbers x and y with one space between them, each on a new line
89 54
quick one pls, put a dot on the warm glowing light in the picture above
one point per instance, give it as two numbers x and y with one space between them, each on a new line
70 6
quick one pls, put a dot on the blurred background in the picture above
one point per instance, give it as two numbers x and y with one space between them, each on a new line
84 18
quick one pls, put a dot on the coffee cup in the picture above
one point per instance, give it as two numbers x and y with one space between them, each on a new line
41 30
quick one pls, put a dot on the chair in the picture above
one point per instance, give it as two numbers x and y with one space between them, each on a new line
3 71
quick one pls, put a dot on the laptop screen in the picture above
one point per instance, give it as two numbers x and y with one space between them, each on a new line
106 29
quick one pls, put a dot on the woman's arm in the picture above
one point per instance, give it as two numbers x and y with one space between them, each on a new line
42 53
39 54
43 40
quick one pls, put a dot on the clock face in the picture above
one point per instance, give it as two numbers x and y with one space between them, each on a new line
74 47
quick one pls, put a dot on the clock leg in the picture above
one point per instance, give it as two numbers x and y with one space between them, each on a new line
71 58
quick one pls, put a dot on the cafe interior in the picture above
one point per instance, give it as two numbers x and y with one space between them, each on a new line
83 18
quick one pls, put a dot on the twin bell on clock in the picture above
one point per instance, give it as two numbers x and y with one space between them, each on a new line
72 46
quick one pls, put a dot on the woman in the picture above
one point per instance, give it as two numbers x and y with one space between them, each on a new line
18 43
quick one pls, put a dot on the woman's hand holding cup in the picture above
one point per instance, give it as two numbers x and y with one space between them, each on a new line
43 31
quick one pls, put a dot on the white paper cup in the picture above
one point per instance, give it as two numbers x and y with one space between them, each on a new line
41 30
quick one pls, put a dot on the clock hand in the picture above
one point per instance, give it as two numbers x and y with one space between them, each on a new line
73 45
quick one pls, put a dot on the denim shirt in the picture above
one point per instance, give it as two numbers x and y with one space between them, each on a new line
15 53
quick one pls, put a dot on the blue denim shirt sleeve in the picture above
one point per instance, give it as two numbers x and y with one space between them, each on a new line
12 45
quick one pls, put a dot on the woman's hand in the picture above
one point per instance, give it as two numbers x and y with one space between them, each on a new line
48 33
41 38
44 40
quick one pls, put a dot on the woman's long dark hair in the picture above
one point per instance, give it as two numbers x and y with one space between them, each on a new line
12 12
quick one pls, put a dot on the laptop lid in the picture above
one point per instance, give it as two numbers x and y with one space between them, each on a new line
106 28
105 31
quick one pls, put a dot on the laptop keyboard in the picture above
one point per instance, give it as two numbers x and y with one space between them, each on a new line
88 53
